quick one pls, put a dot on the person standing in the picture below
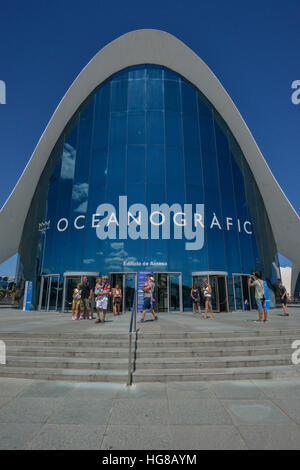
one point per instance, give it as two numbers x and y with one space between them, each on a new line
102 299
283 298
207 291
117 299
195 294
86 297
256 282
148 295
76 302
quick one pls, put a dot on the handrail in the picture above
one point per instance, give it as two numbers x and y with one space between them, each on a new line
132 331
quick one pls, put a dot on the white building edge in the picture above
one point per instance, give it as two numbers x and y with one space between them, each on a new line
160 48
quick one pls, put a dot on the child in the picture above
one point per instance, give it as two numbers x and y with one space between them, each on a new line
76 302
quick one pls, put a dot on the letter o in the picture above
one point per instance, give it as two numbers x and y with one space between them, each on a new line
66 225
162 217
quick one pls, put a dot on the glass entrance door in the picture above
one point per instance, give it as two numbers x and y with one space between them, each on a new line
168 292
241 291
71 279
127 282
218 282
49 293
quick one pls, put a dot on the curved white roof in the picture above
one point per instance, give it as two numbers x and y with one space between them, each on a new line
161 48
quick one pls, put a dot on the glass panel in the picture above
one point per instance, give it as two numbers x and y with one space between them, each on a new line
238 292
130 281
174 297
53 294
215 303
45 293
161 292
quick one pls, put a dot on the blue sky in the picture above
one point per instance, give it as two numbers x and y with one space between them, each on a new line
251 46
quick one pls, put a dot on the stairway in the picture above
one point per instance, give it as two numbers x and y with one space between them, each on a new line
160 357
194 356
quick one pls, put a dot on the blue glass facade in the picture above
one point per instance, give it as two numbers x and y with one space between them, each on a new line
148 134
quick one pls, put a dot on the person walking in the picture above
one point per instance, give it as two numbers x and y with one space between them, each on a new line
152 283
117 299
148 295
207 291
256 282
86 297
195 294
283 298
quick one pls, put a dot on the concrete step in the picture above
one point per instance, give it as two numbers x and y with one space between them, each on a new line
104 353
67 363
191 375
171 363
147 343
78 335
213 342
73 375
226 362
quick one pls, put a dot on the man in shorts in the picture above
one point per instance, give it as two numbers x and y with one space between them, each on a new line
256 281
86 297
148 296
102 299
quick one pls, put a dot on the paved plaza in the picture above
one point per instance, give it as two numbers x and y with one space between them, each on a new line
254 414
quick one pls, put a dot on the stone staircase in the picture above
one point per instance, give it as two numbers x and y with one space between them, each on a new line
160 357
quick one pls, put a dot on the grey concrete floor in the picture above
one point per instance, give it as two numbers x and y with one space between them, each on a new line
173 416
185 416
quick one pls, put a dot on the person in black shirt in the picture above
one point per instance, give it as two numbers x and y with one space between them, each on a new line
283 298
86 296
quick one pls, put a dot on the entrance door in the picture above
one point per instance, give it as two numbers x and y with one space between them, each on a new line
71 279
218 282
241 291
127 282
168 292
49 293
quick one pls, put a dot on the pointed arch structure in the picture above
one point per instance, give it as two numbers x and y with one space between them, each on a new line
159 48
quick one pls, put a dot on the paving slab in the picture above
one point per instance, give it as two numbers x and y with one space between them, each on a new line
143 390
240 389
14 436
212 437
129 437
28 410
45 389
82 411
189 390
150 411
67 437
270 437
12 387
290 406
198 411
255 412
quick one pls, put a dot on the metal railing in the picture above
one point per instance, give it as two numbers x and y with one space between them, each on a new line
132 340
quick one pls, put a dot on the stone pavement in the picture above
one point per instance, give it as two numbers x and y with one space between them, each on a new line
17 321
173 416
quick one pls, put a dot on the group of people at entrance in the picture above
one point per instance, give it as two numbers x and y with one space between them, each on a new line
205 292
83 295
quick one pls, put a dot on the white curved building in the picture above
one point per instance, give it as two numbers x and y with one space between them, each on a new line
147 122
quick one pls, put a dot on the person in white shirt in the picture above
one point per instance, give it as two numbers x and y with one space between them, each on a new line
256 281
